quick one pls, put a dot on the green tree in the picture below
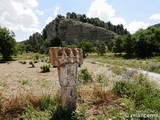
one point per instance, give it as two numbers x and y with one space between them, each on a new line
35 41
45 47
128 45
147 42
87 47
118 45
56 42
101 48
7 44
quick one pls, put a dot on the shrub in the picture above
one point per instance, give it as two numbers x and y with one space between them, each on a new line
31 63
35 61
22 62
32 113
84 75
80 113
141 91
43 109
46 102
36 56
45 68
47 60
101 78
100 96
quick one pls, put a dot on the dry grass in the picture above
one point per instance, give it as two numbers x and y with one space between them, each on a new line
97 100
21 85
103 97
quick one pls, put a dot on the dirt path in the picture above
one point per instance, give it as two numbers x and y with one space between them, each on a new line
150 75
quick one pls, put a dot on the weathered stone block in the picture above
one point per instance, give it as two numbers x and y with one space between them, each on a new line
69 98
68 75
60 56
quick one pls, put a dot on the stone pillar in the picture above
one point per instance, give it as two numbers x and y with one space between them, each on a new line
67 79
67 61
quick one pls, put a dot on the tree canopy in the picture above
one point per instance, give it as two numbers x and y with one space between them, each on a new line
87 47
7 43
101 48
144 43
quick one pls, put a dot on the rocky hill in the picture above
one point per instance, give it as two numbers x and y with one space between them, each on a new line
71 31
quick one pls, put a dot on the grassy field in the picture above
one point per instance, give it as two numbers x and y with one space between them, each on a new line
27 92
151 64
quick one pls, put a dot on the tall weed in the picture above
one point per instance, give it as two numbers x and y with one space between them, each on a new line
84 76
142 92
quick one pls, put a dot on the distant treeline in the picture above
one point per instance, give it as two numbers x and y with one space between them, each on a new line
142 44
119 29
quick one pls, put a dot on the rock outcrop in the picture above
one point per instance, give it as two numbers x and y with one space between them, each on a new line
70 31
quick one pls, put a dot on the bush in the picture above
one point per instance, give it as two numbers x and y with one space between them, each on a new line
46 102
22 62
35 61
84 75
141 91
43 110
45 68
32 113
36 56
31 63
101 78
80 113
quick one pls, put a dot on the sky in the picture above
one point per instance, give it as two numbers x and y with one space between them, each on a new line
25 17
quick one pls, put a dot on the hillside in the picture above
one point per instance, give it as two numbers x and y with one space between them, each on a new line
157 25
71 31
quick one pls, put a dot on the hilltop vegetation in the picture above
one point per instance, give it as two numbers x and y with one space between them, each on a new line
40 43
142 44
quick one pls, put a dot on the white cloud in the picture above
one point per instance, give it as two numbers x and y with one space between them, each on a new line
104 11
39 12
19 16
134 26
155 16
28 3
118 20
48 20
55 13
101 9
56 10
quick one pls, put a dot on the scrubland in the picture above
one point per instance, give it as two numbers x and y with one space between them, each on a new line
106 90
